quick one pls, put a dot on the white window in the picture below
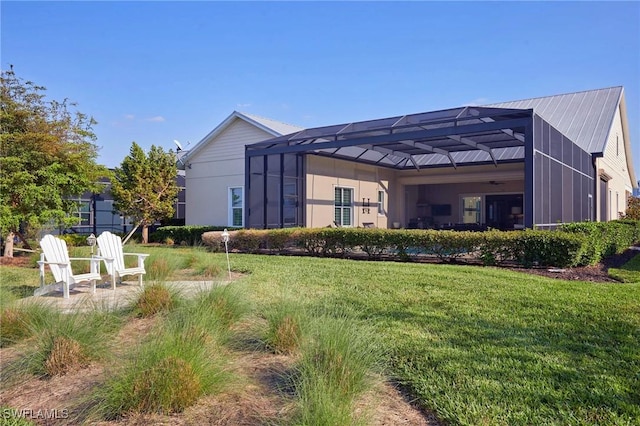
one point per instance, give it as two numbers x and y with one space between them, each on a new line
343 203
236 207
381 203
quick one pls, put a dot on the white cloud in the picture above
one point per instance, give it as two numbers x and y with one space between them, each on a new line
129 117
243 105
156 119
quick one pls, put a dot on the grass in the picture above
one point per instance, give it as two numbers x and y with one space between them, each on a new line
474 345
336 361
154 299
285 322
482 345
183 361
59 342
629 272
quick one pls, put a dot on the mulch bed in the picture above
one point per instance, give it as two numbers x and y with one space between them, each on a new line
595 273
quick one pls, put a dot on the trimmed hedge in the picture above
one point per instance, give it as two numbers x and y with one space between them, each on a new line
190 235
573 245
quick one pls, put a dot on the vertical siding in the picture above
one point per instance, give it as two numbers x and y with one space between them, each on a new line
216 168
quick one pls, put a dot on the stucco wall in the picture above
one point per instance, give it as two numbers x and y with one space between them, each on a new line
614 165
403 190
214 169
324 174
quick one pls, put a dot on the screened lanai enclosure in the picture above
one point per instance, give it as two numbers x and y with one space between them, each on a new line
553 181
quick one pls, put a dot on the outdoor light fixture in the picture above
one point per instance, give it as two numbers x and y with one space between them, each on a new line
91 241
225 239
366 206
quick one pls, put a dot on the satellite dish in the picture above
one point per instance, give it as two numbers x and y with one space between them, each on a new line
178 144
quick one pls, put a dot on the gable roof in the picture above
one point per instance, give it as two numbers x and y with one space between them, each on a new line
584 117
272 127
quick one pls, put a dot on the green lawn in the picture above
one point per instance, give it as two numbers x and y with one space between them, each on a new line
629 272
482 345
476 345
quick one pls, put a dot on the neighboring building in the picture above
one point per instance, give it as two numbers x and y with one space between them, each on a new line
97 214
536 162
215 166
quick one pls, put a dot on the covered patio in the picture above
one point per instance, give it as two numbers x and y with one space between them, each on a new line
552 178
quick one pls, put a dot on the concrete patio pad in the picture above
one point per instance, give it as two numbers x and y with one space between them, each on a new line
105 298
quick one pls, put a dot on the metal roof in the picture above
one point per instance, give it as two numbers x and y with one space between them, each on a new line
472 134
452 136
584 117
275 126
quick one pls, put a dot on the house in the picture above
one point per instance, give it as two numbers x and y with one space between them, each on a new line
530 163
215 169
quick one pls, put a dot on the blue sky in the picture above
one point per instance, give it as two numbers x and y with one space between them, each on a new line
152 72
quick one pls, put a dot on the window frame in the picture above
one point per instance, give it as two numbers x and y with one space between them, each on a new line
381 199
231 208
342 208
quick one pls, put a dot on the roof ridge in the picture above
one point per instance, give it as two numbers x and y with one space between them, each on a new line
558 94
267 118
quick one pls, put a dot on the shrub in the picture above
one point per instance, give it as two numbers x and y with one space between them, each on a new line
249 241
188 235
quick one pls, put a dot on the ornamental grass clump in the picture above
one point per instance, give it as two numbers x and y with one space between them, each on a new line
335 368
65 354
19 322
170 386
160 267
166 374
64 342
221 306
284 328
154 299
12 326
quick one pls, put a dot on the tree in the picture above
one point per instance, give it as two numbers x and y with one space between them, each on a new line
633 208
144 186
47 158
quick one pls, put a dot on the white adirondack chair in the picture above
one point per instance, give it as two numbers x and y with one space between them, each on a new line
110 249
56 255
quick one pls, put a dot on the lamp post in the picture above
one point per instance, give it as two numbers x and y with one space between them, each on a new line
91 240
225 239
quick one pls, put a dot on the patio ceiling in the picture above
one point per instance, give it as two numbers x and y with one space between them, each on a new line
453 136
